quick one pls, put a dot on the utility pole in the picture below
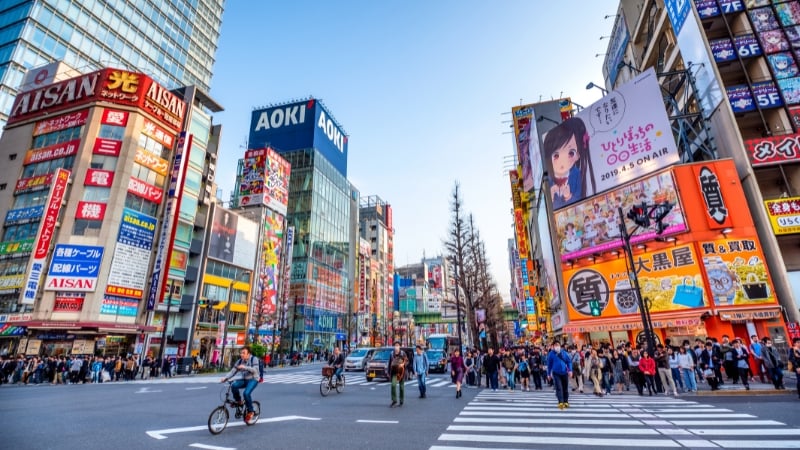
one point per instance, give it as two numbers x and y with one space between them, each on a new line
166 322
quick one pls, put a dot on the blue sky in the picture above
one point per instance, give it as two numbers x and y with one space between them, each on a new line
423 90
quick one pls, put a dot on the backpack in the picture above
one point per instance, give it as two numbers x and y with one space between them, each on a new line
523 365
260 368
397 364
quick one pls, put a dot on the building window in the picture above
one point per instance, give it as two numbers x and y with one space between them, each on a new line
12 156
84 227
2 186
103 162
139 204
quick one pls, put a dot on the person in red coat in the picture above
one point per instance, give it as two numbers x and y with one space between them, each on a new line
648 367
457 369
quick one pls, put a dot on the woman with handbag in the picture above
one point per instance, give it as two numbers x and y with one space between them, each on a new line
457 370
707 364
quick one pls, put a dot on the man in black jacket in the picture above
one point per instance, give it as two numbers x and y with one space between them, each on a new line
491 364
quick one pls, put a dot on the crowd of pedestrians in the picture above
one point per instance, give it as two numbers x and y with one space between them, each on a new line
81 369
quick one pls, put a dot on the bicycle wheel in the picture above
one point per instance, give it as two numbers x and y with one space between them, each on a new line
256 414
340 386
218 420
325 386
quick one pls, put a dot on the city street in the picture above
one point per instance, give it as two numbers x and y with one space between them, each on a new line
173 413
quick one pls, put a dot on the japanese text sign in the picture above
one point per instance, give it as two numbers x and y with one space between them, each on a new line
773 149
736 272
74 268
784 215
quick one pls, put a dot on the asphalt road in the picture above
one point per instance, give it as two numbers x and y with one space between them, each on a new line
173 414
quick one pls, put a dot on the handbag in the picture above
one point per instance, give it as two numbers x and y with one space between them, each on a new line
755 289
688 295
708 373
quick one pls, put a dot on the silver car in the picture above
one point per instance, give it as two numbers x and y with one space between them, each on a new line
358 358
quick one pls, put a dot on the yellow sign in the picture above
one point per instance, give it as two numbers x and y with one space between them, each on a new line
736 272
784 215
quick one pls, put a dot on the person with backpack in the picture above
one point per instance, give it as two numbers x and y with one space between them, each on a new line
397 370
523 367
559 369
535 364
420 368
246 371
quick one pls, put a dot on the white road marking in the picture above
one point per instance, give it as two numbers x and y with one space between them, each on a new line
211 447
145 390
377 421
560 440
160 434
196 388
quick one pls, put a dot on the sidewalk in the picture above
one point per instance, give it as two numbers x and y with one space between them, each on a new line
756 387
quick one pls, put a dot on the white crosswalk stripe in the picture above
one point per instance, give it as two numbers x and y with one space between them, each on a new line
303 377
522 420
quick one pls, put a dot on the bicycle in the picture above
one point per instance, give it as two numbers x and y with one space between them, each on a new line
329 381
218 419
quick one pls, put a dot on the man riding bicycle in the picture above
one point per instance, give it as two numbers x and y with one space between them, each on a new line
337 361
245 372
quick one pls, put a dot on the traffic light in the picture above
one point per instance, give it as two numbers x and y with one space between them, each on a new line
594 306
638 214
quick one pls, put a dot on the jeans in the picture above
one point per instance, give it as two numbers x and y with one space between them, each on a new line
688 379
676 375
338 374
402 387
421 383
249 386
561 382
776 376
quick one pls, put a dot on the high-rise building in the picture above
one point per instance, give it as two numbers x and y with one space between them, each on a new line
172 42
320 210
375 226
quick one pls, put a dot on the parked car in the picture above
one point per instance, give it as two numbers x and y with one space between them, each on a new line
437 361
358 358
378 365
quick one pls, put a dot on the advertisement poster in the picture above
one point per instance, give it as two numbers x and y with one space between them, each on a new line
553 295
773 149
737 274
784 215
623 136
783 65
722 49
669 278
592 226
129 266
74 268
276 191
271 250
790 88
223 235
527 144
740 98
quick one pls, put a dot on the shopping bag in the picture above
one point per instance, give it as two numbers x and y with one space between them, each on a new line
755 289
688 295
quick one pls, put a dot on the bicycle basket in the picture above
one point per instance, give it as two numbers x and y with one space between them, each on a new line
327 371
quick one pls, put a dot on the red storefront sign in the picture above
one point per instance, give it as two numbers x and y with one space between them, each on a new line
63 122
146 191
107 147
34 183
113 117
100 178
51 213
68 304
90 211
773 149
55 151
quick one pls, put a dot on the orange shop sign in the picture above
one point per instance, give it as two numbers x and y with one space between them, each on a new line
669 278
736 272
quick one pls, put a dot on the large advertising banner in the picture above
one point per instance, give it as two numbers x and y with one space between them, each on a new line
526 138
622 137
223 235
128 274
592 226
669 278
265 180
270 255
551 277
44 237
784 215
737 274
617 44
773 149
74 268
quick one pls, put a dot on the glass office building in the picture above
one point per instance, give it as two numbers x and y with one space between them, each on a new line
173 42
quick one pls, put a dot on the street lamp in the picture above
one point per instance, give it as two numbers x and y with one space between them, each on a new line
592 85
641 215
228 311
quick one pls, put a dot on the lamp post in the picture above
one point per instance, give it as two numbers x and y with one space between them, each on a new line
227 313
166 322
641 215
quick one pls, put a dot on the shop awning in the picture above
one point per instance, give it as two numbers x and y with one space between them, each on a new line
734 314
100 327
634 322
8 329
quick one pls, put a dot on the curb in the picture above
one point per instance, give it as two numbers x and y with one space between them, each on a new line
733 393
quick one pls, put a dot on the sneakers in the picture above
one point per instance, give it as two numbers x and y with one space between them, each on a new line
561 406
249 416
394 402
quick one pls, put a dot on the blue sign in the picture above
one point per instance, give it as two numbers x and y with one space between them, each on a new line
137 229
677 10
76 261
707 9
722 49
297 126
24 214
766 94
747 45
740 98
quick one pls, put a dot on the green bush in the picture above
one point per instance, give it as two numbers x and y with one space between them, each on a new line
258 350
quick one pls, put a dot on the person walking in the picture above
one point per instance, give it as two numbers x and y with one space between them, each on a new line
577 368
593 363
559 369
794 358
469 371
536 363
773 363
648 367
457 370
420 367
686 368
491 364
397 370
637 377
664 370
741 358
618 373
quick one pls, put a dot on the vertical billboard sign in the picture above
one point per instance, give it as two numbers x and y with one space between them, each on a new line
276 190
169 221
616 48
619 138
253 178
223 235
271 243
287 264
44 237
526 138
74 268
693 49
131 259
548 260
330 139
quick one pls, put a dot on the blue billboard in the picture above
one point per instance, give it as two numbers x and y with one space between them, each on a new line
24 214
76 260
300 125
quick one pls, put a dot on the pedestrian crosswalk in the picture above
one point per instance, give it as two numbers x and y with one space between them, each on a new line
532 420
302 377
